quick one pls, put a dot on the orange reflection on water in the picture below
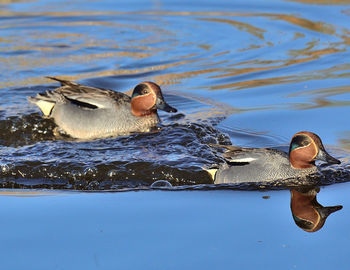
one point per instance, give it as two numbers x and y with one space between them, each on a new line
245 27
64 52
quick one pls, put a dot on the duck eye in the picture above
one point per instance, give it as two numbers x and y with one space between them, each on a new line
299 141
304 143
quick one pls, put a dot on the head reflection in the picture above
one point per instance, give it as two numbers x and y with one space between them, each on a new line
307 213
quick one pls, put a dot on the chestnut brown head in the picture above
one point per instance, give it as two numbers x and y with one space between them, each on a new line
305 148
146 98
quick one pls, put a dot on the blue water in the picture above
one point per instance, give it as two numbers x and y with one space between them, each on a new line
168 230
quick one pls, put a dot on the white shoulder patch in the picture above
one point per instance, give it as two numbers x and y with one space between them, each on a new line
248 159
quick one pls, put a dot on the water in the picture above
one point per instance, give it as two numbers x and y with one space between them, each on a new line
168 230
245 73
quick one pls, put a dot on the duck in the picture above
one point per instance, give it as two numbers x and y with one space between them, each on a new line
260 165
308 214
85 112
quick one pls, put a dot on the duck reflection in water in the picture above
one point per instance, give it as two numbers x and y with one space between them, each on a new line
307 213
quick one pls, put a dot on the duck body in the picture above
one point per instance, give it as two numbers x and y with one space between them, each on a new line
257 165
249 165
100 123
88 113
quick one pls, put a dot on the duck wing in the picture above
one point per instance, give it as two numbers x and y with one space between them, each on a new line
87 96
243 156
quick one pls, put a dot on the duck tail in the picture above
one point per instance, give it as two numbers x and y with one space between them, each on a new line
212 173
227 147
46 101
62 81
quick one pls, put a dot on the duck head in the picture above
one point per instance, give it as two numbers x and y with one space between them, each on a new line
146 98
305 148
307 213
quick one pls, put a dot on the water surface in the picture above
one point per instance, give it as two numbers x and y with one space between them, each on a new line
169 230
246 74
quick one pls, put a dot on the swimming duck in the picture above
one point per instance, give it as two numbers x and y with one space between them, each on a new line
308 213
86 112
243 165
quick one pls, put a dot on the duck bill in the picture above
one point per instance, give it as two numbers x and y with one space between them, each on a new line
326 211
162 105
323 155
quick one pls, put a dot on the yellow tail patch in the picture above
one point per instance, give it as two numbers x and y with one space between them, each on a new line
45 106
212 173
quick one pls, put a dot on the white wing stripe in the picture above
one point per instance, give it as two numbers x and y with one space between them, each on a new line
249 159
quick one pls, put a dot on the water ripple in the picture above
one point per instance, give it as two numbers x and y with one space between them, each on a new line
252 75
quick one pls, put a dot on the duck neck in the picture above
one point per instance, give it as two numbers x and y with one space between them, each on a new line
141 113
